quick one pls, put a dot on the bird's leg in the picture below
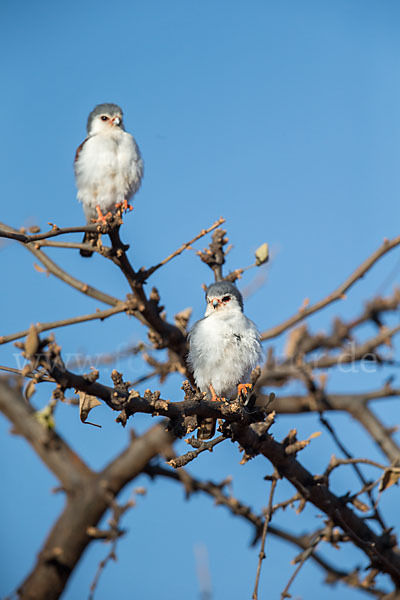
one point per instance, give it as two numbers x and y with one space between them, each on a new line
214 397
244 387
100 217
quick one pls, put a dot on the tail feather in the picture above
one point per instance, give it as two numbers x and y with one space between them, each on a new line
89 238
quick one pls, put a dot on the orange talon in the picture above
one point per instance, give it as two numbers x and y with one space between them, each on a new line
100 217
214 397
126 206
244 387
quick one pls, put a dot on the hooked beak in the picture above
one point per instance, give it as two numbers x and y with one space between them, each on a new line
116 121
215 303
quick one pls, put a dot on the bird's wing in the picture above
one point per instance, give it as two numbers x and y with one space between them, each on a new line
194 330
79 148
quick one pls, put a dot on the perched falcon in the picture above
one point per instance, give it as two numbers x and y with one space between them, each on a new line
108 167
224 347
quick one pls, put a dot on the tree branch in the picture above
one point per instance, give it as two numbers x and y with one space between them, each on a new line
337 294
99 314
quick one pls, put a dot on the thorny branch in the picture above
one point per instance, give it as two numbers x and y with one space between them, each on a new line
247 426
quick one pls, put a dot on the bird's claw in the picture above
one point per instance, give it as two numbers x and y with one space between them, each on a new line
244 388
100 217
124 206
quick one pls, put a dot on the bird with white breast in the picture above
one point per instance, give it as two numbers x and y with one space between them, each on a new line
224 347
108 168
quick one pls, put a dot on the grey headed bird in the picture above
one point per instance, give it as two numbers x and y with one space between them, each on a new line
108 167
224 347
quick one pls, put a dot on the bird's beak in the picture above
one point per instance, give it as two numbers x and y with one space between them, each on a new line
116 121
215 303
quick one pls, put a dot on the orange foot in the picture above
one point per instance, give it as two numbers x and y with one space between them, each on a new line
124 206
214 396
127 207
243 387
100 217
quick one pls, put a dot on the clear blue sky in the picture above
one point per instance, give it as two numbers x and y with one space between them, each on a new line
281 116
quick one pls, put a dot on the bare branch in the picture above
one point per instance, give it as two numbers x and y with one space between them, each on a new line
261 556
13 234
55 453
337 294
184 246
202 446
99 314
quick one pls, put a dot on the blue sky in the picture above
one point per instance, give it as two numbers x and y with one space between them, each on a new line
283 117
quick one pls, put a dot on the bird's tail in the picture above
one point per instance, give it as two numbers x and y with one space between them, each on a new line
206 428
89 238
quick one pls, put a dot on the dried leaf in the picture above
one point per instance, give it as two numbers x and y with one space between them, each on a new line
262 254
32 342
86 403
389 478
360 505
314 435
39 268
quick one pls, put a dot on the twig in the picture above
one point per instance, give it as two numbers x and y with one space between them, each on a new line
107 358
237 508
354 463
12 234
336 294
261 555
70 280
30 375
73 245
100 314
364 351
183 460
337 462
53 268
306 554
112 535
184 246
379 433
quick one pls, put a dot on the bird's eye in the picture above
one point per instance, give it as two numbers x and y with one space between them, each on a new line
226 299
104 118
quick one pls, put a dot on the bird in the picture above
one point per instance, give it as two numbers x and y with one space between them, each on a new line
224 347
108 168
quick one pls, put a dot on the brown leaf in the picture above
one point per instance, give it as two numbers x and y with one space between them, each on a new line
360 505
40 269
86 403
262 254
389 478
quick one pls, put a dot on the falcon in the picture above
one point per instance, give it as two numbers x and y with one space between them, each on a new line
108 168
224 347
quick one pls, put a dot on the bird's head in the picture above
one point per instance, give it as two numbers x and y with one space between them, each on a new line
105 118
223 297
